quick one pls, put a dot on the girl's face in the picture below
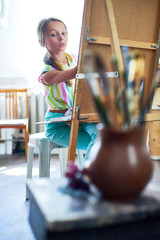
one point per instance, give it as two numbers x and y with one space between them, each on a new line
56 37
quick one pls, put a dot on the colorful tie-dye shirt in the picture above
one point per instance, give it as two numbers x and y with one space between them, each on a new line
60 95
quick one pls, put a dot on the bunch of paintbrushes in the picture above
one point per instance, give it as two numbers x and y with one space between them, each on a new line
118 107
99 88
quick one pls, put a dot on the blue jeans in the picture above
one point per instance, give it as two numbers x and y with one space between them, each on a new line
59 133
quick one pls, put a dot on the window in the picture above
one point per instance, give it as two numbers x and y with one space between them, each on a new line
21 56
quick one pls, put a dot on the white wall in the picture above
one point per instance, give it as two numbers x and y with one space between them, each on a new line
20 53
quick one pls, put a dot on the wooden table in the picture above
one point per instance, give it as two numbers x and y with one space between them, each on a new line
59 216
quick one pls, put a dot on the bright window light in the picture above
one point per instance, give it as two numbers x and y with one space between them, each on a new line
21 55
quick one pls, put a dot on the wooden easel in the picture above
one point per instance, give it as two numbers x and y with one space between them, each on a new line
106 26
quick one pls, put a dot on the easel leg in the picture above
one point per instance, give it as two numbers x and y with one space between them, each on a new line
73 141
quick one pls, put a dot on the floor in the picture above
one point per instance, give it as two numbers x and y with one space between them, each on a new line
14 223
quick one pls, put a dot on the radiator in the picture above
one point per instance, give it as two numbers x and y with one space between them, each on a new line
37 108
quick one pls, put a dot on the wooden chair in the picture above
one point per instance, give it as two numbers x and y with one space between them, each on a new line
12 106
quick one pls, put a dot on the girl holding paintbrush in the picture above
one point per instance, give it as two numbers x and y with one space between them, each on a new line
57 77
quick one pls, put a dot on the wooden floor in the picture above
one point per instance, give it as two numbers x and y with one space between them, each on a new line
14 223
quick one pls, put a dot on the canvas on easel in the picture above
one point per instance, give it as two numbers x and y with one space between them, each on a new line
106 26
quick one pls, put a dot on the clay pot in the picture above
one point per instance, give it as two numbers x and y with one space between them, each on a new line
120 164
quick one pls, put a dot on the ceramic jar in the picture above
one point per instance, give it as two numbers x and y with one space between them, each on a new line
120 164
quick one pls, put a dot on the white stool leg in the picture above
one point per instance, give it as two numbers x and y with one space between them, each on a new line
80 158
44 168
63 154
29 165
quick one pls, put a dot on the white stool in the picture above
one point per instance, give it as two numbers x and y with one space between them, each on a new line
44 146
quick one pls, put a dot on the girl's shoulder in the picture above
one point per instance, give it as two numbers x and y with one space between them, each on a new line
47 68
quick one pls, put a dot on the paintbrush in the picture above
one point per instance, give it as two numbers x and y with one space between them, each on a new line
135 84
126 59
94 86
141 81
146 107
110 104
120 95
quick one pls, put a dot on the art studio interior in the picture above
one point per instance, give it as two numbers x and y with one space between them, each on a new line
80 119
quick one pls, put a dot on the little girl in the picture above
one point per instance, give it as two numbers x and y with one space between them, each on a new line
58 79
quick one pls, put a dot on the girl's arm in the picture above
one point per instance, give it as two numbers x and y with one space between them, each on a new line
53 76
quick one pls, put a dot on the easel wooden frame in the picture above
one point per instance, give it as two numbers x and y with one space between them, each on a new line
103 15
